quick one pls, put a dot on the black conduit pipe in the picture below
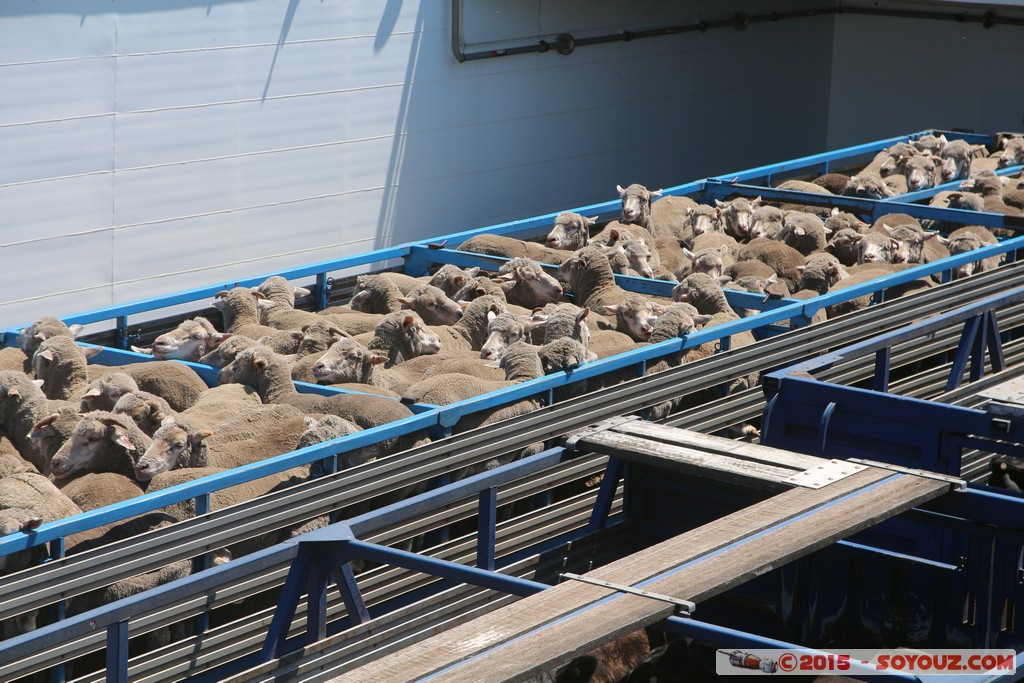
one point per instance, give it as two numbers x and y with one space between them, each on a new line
565 44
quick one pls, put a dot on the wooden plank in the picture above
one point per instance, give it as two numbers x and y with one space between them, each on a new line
549 647
470 639
681 459
716 444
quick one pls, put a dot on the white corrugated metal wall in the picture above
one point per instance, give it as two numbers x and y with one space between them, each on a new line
151 146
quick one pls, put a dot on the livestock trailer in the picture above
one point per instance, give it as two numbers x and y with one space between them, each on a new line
537 517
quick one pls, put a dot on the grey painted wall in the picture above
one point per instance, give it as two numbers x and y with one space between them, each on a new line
154 146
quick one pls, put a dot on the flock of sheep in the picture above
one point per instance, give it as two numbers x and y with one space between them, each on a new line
78 436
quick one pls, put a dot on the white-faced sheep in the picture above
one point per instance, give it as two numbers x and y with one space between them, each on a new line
504 329
227 350
867 187
190 340
630 257
566 321
766 221
921 171
403 335
432 305
377 294
61 364
348 361
22 406
929 143
51 432
509 247
240 309
876 248
821 273
704 219
712 253
1012 153
591 279
990 187
916 245
886 162
635 315
970 238
450 278
528 284
570 232
956 159
103 393
805 232
146 410
101 442
316 339
755 285
29 338
736 216
668 217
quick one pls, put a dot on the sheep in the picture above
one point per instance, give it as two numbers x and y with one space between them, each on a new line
956 159
103 393
820 273
966 239
241 316
712 253
29 338
509 247
630 257
805 232
504 329
704 219
1012 153
260 434
450 278
929 144
13 358
886 162
276 288
145 409
61 365
316 339
349 361
570 232
921 171
332 427
100 442
190 340
782 258
876 248
840 220
222 403
567 321
529 286
28 500
668 217
990 187
736 215
754 285
227 350
748 268
766 221
635 315
94 490
376 294
176 383
833 182
591 279
916 245
267 372
432 305
51 432
401 336
22 405
350 321
865 273
480 286
867 187
802 186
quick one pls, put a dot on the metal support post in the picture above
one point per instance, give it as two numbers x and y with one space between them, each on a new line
486 520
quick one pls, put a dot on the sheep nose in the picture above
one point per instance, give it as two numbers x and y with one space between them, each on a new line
458 314
861 192
319 367
486 353
559 290
552 242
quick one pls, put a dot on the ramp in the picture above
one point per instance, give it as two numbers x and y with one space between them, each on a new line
542 631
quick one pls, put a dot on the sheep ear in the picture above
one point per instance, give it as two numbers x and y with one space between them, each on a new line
169 420
720 204
773 279
458 280
491 315
405 301
15 392
658 308
929 234
799 232
221 294
408 321
93 393
620 190
657 193
507 285
302 291
218 339
834 212
199 436
942 139
45 354
265 304
610 310
724 280
463 304
92 351
801 268
689 254
473 272
296 335
377 360
944 241
702 319
260 361
582 314
45 422
122 439
591 221
756 201
259 295
828 231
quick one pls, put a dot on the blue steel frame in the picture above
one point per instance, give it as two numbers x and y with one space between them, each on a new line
320 556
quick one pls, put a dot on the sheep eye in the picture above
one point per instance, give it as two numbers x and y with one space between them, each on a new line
197 337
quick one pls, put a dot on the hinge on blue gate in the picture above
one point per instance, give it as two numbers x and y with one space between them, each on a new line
603 426
957 483
683 607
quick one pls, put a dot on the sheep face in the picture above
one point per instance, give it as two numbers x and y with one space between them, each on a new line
736 215
867 187
911 249
921 171
188 341
820 274
891 165
636 316
704 219
503 330
840 220
930 144
172 444
876 248
91 439
346 361
956 163
1013 153
227 351
53 431
636 203
144 409
522 274
962 244
638 256
707 260
433 305
564 355
967 201
571 231
765 221
450 279
104 393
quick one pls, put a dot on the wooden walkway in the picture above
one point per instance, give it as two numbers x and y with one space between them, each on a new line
543 631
